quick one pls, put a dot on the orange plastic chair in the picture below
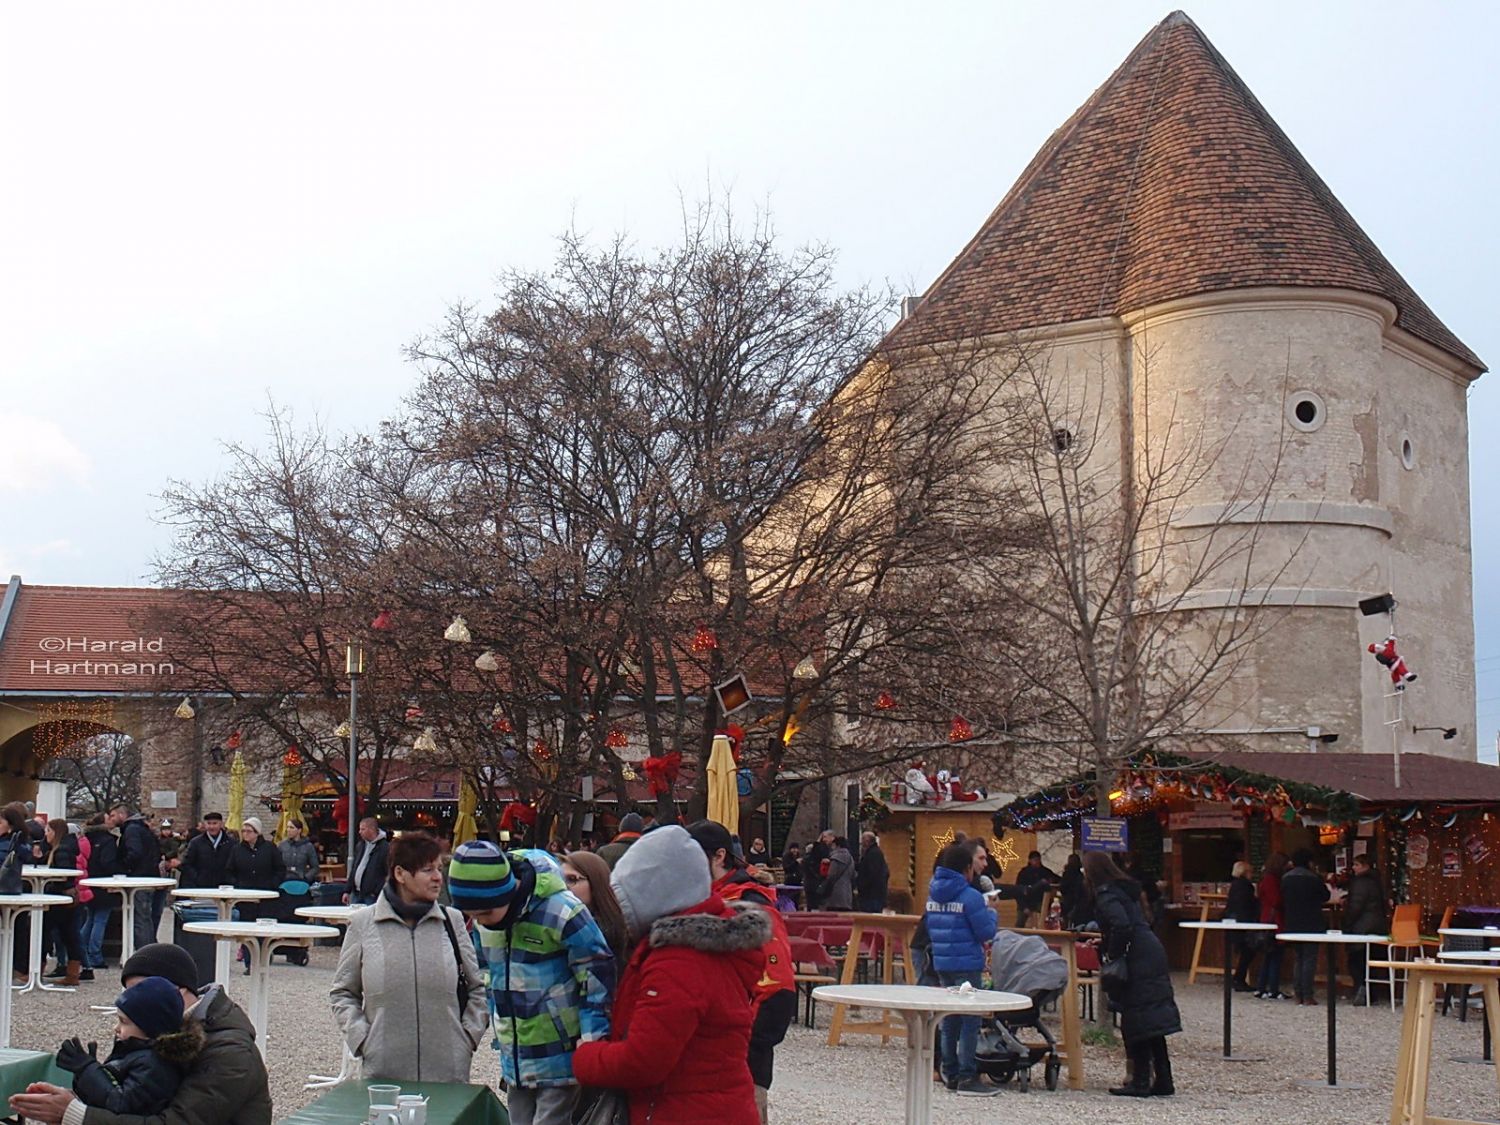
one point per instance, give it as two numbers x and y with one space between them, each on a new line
1406 934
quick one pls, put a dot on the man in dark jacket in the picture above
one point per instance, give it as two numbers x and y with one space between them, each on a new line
1032 885
226 1083
1303 894
207 854
631 827
872 875
369 864
813 875
1364 913
140 855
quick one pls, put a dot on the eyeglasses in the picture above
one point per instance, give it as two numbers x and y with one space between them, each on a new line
574 880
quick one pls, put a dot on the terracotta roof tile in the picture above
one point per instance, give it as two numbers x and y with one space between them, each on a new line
1371 777
1172 180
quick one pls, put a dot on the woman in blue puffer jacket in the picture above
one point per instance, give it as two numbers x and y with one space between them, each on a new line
959 923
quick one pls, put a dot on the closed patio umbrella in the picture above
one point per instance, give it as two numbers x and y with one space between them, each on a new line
723 786
465 827
234 815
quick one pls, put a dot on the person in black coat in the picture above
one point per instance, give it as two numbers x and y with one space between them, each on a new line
139 856
152 1049
1242 906
368 877
791 865
1364 913
872 875
205 860
813 874
1145 1001
1075 908
1303 894
256 864
1032 884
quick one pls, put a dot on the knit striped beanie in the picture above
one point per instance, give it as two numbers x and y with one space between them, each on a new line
480 877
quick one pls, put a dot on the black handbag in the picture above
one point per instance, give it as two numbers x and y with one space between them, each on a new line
602 1107
10 869
1114 976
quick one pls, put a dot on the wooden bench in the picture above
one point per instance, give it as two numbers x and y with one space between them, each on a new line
806 982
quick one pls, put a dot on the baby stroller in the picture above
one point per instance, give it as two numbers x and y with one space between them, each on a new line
1026 964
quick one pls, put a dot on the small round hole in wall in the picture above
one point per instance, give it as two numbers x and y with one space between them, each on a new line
1408 453
1062 440
1305 411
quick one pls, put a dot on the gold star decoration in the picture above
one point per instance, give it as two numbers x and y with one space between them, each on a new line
1003 851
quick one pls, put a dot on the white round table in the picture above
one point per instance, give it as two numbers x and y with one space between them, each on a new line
1489 933
127 885
1230 927
921 1007
1481 955
10 907
224 898
39 877
1333 939
261 939
348 1067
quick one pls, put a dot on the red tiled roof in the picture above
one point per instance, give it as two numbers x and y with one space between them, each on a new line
85 639
1371 777
1171 181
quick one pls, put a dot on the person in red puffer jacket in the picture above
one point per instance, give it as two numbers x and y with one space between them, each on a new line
690 980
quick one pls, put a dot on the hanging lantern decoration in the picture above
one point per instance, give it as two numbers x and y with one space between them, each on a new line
383 621
184 710
233 741
501 725
413 711
457 632
486 662
541 751
805 670
959 730
629 774
292 757
616 739
343 730
885 701
704 640
426 742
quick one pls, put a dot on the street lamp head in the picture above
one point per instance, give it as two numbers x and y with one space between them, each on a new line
354 659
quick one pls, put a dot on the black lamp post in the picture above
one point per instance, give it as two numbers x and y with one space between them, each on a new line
354 668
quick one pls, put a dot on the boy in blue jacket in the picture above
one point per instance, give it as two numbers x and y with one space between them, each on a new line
959 923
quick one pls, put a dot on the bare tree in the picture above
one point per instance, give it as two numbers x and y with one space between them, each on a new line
101 771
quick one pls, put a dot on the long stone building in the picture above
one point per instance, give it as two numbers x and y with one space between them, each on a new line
1171 247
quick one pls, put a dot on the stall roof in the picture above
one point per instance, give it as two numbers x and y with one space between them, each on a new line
1371 777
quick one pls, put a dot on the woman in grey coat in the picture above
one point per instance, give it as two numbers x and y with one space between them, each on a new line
407 993
299 853
838 888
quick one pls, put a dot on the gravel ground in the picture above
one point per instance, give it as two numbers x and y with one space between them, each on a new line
861 1082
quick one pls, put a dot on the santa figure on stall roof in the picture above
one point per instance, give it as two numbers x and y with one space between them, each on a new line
1386 654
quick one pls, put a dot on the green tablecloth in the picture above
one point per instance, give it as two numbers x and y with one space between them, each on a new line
448 1103
18 1069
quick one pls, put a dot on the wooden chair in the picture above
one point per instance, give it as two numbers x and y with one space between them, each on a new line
1407 942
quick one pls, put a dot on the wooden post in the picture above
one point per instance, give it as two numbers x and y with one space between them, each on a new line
1066 943
896 928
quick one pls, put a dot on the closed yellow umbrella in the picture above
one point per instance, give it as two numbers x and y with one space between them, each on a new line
238 773
723 786
291 791
465 827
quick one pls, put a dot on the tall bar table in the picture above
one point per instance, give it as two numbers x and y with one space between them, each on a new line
224 898
11 907
348 1067
922 1007
1468 957
1228 928
39 876
1333 939
126 886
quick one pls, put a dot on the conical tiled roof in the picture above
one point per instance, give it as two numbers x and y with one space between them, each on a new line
1171 181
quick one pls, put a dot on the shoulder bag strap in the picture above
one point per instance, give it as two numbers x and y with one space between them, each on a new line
458 962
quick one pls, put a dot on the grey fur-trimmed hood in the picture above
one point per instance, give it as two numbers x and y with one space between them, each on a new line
747 928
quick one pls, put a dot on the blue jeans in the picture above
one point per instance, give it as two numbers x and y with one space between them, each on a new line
1270 968
960 1035
93 934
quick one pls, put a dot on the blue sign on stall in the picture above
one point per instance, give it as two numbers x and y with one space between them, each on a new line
1104 834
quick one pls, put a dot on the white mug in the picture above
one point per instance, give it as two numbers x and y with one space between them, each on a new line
384 1115
413 1109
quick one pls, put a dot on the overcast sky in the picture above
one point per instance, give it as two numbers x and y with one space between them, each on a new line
207 206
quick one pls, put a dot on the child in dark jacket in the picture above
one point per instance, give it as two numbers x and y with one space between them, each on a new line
152 1049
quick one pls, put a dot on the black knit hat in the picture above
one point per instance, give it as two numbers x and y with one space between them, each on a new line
154 1005
162 959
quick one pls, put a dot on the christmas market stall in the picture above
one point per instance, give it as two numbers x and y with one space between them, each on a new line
1186 822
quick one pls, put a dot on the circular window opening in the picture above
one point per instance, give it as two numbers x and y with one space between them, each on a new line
1305 411
1408 454
1062 440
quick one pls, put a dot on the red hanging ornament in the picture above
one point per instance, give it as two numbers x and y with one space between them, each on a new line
616 739
502 725
661 772
413 712
885 701
383 621
704 640
541 751
960 730
233 741
292 757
